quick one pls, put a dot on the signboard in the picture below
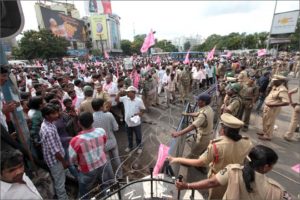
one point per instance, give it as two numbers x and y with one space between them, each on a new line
285 22
98 6
128 63
99 27
77 52
63 25
114 34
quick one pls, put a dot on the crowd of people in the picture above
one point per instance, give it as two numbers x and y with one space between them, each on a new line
74 109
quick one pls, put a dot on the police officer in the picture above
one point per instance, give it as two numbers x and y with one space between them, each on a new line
296 67
203 125
185 83
229 148
249 95
243 75
234 103
245 182
295 116
277 98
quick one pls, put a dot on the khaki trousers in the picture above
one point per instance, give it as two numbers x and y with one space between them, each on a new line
200 145
247 112
294 122
268 120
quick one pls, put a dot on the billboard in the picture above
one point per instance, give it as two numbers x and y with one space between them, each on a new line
98 6
63 25
284 22
114 34
98 27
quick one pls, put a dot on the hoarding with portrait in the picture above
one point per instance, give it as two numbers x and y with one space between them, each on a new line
99 27
63 25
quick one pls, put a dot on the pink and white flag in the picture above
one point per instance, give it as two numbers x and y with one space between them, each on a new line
210 55
148 42
228 54
106 55
261 52
157 60
187 58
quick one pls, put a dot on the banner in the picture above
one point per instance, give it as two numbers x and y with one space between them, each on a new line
115 40
284 22
98 6
63 25
99 27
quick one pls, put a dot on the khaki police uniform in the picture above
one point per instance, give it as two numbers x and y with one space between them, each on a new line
248 94
234 105
185 82
243 77
223 151
296 67
204 129
295 120
277 95
263 187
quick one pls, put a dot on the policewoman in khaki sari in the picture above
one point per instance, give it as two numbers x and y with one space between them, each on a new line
246 182
229 148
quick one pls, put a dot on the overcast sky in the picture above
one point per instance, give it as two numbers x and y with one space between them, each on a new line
171 19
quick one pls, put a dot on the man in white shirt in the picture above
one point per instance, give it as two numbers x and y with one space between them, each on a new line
134 108
161 74
15 184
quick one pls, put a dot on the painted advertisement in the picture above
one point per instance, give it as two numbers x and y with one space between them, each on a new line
63 25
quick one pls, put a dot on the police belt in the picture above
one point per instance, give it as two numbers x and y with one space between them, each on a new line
247 98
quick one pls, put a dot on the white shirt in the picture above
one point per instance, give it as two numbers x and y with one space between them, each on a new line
79 92
24 190
2 116
111 89
209 72
131 108
165 78
161 74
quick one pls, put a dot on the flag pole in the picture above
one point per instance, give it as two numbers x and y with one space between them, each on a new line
268 44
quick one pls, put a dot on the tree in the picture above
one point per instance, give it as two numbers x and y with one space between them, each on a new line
41 44
137 43
187 45
294 45
126 47
166 46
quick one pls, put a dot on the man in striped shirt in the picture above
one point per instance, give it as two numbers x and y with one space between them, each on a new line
86 150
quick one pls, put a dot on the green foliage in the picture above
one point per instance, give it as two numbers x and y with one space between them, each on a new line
187 46
126 47
166 46
41 44
234 41
137 43
295 38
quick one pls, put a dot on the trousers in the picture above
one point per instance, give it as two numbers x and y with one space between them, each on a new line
59 176
268 120
294 122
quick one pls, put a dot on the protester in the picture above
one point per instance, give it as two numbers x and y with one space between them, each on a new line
15 184
53 151
89 157
134 108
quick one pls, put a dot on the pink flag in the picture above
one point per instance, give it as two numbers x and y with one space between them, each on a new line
148 67
106 55
228 54
187 58
148 42
157 59
83 67
261 52
38 63
210 55
97 63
